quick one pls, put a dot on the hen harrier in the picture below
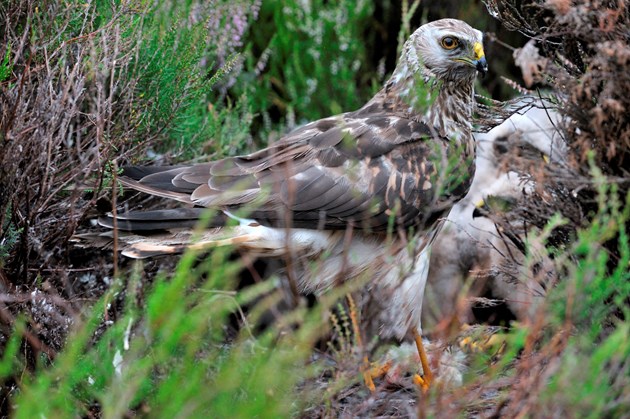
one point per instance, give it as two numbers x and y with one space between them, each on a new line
507 156
363 188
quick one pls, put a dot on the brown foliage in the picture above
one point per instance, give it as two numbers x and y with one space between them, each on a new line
63 116
580 50
585 46
64 108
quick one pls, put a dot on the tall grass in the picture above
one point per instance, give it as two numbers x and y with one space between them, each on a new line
87 84
170 356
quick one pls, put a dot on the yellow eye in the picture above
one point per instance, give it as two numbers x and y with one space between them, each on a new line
448 42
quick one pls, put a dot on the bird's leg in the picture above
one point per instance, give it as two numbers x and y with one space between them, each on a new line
365 369
425 381
369 372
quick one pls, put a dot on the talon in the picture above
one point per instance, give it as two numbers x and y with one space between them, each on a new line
366 369
380 370
482 341
369 371
425 381
367 375
495 340
369 382
372 371
421 382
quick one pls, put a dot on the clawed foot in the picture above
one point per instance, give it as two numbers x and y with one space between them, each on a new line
421 382
448 359
425 381
374 370
369 371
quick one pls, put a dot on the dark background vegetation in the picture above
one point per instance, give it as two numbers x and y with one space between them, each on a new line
88 87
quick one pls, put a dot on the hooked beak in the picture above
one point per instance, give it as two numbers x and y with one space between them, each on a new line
480 62
480 210
481 65
493 204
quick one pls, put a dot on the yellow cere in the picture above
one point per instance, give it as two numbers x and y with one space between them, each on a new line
478 48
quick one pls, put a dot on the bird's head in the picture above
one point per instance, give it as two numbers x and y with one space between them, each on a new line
450 49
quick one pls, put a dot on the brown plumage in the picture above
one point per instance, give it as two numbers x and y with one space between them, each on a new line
400 161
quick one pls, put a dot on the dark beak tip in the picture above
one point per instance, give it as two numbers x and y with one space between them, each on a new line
482 67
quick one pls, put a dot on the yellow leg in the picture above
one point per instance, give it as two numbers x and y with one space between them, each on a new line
367 376
374 370
425 381
369 371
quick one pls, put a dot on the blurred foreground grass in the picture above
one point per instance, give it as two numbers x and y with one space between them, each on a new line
178 80
170 352
170 357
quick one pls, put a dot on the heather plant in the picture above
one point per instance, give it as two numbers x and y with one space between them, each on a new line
5 67
311 67
88 87
84 89
186 58
580 339
94 84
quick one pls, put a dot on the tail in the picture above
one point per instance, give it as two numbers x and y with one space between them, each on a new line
168 232
156 220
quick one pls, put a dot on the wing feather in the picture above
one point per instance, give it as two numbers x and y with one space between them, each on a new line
361 167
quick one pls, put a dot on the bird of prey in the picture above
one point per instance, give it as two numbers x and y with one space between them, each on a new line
472 247
363 189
